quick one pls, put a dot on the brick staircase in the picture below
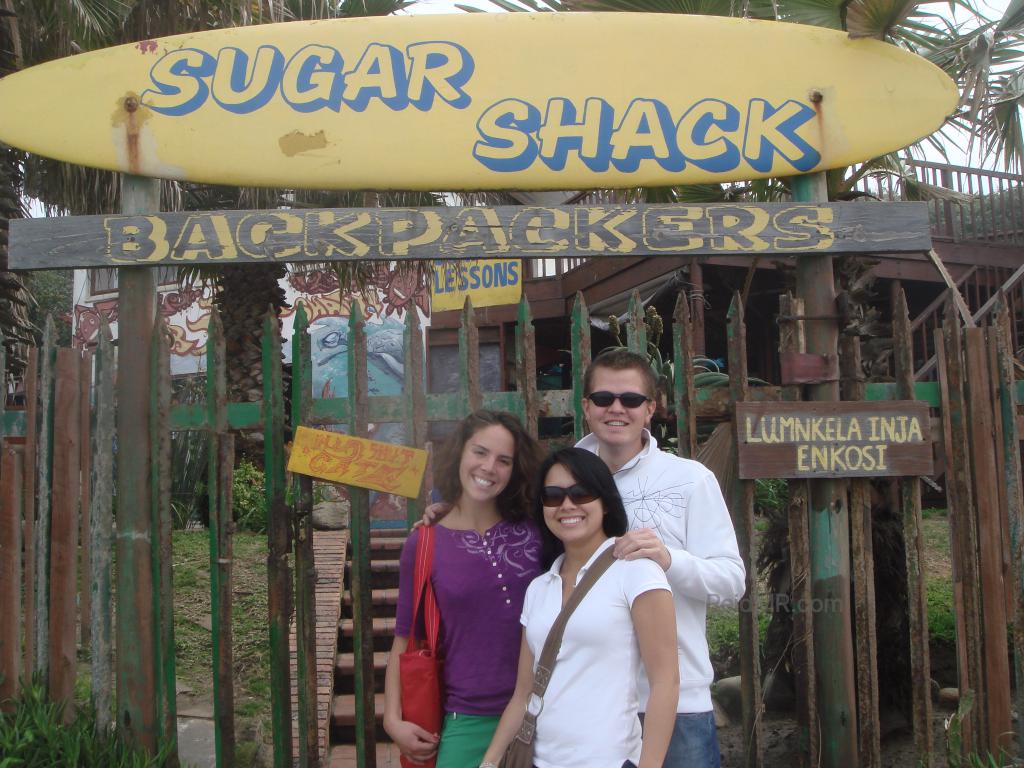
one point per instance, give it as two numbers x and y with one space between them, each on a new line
385 548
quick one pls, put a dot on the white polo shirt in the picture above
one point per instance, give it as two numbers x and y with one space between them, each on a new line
589 715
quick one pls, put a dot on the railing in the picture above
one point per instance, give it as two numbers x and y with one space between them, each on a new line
965 205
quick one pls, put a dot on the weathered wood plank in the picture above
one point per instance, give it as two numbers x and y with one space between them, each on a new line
844 439
101 523
28 536
44 474
279 596
305 612
359 524
526 367
962 531
684 394
863 571
163 544
220 466
11 513
64 532
761 229
993 602
1005 370
791 339
636 329
743 522
469 360
136 621
913 539
580 351
84 463
415 401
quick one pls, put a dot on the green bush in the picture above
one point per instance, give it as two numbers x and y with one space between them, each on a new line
32 735
248 499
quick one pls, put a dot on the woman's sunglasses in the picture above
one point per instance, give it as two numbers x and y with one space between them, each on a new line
628 399
554 495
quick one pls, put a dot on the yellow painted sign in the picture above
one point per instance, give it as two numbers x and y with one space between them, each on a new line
355 461
486 282
480 101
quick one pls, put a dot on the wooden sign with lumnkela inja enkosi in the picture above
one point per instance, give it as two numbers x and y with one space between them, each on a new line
845 439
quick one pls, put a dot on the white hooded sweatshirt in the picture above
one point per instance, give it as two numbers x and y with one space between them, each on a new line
679 499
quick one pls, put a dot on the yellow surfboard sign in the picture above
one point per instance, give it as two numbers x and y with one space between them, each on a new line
480 101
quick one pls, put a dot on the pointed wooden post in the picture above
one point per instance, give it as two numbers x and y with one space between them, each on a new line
305 595
469 359
359 525
829 522
962 531
101 528
279 600
11 512
791 339
743 521
85 494
580 344
1007 404
28 505
415 401
685 394
220 458
526 368
863 562
44 475
917 596
636 329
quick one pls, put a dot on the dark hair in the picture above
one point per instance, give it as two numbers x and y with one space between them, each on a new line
514 500
619 359
590 471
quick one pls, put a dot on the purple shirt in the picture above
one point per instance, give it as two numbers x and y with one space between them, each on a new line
480 583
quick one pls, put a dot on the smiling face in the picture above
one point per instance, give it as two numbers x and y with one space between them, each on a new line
617 427
575 525
486 464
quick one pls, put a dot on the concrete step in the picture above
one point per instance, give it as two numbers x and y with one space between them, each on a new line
343 710
381 626
344 663
379 597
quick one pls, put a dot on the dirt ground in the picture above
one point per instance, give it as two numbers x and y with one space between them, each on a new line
782 751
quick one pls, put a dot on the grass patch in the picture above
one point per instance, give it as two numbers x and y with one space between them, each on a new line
193 638
941 619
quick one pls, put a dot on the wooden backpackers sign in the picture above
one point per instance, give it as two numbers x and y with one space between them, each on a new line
227 237
844 439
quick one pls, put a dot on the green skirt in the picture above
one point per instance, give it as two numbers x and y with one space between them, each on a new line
464 739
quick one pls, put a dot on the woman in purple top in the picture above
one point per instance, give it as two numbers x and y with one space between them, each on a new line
486 552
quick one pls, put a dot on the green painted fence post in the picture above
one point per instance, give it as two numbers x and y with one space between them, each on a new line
359 526
682 379
136 617
305 597
163 545
220 458
580 343
415 400
829 519
526 368
636 329
469 360
279 602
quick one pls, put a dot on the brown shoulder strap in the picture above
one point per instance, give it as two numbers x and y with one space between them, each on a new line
546 662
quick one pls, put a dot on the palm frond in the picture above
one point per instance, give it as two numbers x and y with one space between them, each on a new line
877 18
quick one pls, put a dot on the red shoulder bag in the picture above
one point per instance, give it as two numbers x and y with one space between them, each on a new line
419 666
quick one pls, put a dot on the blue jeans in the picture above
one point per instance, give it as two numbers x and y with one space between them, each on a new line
694 742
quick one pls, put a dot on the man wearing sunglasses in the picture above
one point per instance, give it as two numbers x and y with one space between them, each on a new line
678 518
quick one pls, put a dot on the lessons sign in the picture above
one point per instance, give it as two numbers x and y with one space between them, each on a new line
845 439
480 101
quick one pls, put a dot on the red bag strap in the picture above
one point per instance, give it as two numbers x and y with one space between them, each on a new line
423 591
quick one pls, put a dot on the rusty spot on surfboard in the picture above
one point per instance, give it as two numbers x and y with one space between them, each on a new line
295 142
129 116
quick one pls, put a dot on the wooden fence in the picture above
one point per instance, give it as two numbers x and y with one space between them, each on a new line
56 488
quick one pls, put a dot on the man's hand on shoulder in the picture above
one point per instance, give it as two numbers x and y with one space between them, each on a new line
433 513
643 542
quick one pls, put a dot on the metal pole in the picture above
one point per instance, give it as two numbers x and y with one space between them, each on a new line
136 621
829 522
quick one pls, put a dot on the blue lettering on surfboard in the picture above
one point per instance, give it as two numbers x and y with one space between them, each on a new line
712 135
313 79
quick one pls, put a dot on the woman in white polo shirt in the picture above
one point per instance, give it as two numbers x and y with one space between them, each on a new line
588 718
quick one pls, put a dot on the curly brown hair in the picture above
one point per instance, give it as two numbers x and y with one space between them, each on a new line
514 501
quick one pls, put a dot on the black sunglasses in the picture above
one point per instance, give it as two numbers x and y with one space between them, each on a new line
554 495
628 399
